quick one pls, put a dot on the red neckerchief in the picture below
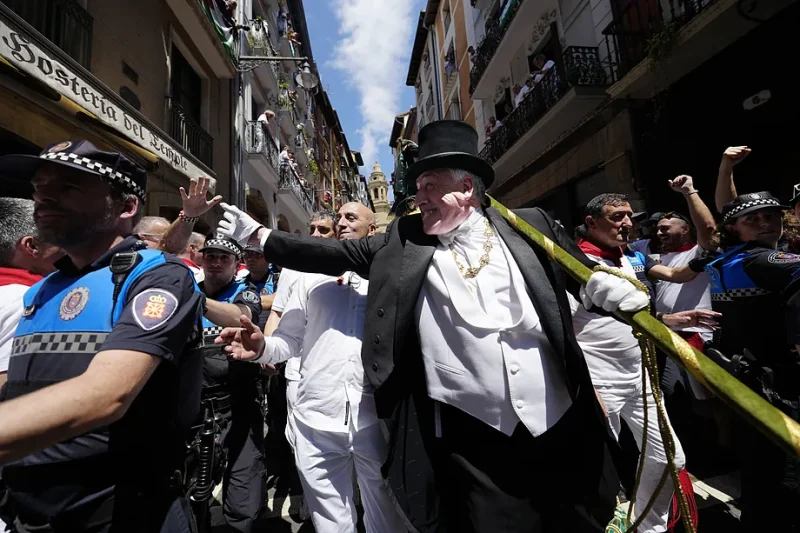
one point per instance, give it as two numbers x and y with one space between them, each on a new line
190 263
615 254
17 276
685 248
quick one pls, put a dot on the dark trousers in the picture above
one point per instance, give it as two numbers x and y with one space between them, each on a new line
243 484
770 483
555 483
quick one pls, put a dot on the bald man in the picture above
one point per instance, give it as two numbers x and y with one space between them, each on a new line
151 230
336 430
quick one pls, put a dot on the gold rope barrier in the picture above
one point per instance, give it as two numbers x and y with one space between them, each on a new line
777 426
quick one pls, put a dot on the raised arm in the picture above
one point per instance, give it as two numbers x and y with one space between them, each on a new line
195 205
702 218
726 189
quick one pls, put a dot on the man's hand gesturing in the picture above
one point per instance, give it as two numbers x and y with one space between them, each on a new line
682 184
195 203
245 343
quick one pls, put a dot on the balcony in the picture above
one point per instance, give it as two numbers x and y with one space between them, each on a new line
300 197
207 37
190 134
557 103
64 22
652 44
262 152
507 33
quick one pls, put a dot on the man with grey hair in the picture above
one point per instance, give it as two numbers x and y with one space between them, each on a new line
468 344
151 230
191 255
24 259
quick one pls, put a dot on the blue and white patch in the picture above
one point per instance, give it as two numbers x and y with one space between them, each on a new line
73 303
153 308
251 297
783 257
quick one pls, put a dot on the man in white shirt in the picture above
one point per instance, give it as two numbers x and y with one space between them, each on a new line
336 430
678 249
468 344
613 354
24 259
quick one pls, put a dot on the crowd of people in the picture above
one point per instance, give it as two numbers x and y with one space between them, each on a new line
446 375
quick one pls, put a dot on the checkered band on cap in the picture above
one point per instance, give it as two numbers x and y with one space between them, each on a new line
233 247
754 203
95 166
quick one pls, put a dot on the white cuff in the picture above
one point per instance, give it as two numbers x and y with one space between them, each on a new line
263 358
264 237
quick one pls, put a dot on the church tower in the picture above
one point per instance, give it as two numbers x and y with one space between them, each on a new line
379 193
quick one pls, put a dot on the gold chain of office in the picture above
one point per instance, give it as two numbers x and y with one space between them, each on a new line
471 272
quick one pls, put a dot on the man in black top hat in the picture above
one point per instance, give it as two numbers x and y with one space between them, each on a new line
468 342
101 387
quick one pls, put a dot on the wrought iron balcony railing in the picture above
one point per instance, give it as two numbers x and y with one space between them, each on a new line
581 67
646 28
258 140
64 22
190 135
289 180
495 31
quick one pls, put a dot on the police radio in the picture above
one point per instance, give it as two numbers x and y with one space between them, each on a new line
121 265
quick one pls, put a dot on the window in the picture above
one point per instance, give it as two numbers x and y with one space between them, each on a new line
454 113
450 61
186 86
447 17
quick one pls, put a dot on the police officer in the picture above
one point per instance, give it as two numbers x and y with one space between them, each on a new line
244 487
260 274
101 388
754 286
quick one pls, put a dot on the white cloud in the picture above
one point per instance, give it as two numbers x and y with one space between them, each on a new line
375 39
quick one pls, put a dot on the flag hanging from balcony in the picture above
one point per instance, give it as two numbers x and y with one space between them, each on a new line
222 16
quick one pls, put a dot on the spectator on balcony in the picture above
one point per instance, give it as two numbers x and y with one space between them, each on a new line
542 65
450 64
519 93
265 119
281 21
473 55
493 125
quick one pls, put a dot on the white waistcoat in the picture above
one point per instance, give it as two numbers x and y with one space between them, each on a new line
496 366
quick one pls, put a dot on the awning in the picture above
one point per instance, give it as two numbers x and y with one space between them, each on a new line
37 64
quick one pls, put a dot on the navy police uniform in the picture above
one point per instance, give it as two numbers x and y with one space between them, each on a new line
756 290
128 299
244 486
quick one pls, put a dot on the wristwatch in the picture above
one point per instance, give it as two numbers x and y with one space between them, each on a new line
188 220
660 317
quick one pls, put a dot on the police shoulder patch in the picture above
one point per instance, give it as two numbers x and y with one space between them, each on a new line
153 307
783 257
250 296
264 292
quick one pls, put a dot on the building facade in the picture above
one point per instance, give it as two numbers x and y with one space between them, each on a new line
150 79
299 119
632 93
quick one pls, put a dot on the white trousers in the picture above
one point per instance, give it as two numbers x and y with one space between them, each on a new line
624 402
291 398
327 462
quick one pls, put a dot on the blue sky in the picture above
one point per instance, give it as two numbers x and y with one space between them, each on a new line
362 49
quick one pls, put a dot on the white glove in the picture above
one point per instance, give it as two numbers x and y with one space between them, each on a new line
613 293
237 224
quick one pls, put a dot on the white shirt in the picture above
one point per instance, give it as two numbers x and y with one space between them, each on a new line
483 347
324 321
612 352
11 308
285 289
674 297
520 95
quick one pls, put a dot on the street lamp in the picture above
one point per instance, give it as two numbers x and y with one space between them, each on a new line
306 79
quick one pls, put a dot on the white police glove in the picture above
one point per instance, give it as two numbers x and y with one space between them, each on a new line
613 293
236 224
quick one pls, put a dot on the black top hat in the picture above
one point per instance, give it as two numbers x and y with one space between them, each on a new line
450 144
747 203
80 155
223 245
